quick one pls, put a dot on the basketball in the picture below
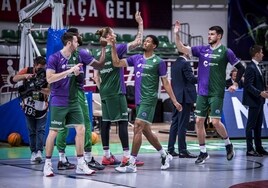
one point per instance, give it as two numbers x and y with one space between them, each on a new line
14 139
94 138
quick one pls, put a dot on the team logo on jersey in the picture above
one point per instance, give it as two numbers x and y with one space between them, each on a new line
144 114
217 111
74 58
138 74
154 60
63 66
220 50
206 63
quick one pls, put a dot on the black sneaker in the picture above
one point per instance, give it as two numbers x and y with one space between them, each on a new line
65 166
202 158
230 151
95 165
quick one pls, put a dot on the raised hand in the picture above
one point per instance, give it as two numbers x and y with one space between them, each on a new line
177 26
138 17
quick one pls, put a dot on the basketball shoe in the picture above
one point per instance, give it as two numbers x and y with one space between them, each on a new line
110 161
38 156
202 158
48 170
165 160
84 169
95 165
33 158
137 163
230 151
65 165
126 168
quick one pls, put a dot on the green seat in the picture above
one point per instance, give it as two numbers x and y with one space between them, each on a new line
10 36
127 38
43 51
39 37
163 38
37 34
87 37
119 38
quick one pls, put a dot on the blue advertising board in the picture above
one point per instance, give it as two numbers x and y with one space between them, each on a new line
235 115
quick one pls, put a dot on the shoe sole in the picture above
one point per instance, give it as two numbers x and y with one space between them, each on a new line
231 157
49 175
141 164
64 168
33 162
126 171
95 168
83 173
111 164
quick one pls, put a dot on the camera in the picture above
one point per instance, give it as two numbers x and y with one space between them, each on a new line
33 84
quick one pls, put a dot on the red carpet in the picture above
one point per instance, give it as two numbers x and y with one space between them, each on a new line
253 184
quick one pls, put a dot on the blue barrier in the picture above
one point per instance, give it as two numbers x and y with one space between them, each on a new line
13 120
235 115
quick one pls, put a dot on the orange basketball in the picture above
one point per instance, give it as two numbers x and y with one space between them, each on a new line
94 138
14 139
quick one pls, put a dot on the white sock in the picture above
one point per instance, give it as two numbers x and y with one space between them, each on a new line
203 148
132 159
126 153
48 161
227 141
80 160
62 157
162 152
87 156
107 153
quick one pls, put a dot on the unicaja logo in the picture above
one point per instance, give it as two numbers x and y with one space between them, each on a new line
56 122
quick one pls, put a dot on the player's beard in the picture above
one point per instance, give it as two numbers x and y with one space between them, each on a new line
212 42
72 48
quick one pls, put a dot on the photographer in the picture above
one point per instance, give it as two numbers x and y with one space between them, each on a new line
34 101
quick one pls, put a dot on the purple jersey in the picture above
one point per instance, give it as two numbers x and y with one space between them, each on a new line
212 68
60 90
147 73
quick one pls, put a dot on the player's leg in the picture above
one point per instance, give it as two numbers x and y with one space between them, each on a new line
57 119
75 118
202 106
216 105
91 162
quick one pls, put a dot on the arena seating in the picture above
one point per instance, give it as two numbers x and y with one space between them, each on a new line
10 38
